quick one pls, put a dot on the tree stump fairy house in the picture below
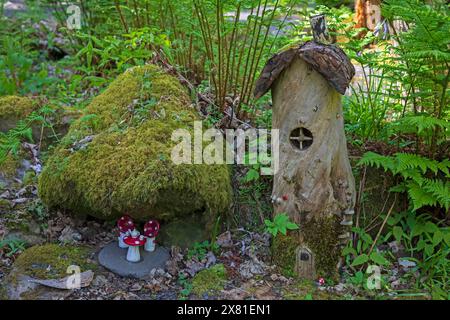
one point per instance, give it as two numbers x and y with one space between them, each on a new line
314 185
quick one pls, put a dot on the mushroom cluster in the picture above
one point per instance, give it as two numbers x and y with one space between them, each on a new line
129 237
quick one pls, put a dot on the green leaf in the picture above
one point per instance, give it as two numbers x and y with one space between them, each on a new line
398 233
291 226
438 236
269 223
430 227
361 259
379 259
429 249
447 238
251 175
349 250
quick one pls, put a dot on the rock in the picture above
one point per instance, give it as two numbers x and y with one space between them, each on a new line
406 264
69 282
23 288
127 165
99 281
224 240
113 258
46 262
250 268
69 235
136 287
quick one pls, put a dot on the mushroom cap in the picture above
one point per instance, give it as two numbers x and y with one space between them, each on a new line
151 228
125 224
134 241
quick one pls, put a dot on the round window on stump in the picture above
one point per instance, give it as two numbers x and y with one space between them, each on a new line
301 138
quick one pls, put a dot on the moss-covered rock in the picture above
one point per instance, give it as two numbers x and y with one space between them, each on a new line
117 157
209 281
12 109
50 261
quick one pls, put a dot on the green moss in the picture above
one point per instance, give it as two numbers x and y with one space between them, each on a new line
210 280
127 166
320 235
13 106
4 205
9 166
283 252
307 290
50 261
29 177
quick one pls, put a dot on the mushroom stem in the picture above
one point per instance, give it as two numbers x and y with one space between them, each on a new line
133 254
150 244
122 244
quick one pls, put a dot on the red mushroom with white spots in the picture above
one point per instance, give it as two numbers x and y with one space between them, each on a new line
125 225
134 241
151 229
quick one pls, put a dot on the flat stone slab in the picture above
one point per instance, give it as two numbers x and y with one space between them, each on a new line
114 259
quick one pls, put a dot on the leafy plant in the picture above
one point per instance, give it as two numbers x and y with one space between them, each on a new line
200 249
421 177
12 246
10 142
362 253
186 285
280 224
428 244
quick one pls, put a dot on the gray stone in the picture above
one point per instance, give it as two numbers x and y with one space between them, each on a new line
22 287
113 258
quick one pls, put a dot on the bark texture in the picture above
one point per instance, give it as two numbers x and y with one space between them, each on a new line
367 14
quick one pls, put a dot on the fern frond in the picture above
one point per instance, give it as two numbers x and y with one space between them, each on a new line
412 161
421 123
419 196
440 190
376 160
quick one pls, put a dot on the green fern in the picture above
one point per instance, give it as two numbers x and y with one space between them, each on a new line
421 124
11 141
416 172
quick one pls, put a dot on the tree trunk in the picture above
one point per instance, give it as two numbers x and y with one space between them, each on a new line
368 14
314 185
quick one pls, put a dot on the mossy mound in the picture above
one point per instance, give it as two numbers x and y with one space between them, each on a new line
50 261
12 109
117 157
209 281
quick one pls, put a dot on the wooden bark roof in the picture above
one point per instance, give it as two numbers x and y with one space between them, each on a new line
329 60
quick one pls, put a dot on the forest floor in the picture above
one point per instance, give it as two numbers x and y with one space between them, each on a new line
244 251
